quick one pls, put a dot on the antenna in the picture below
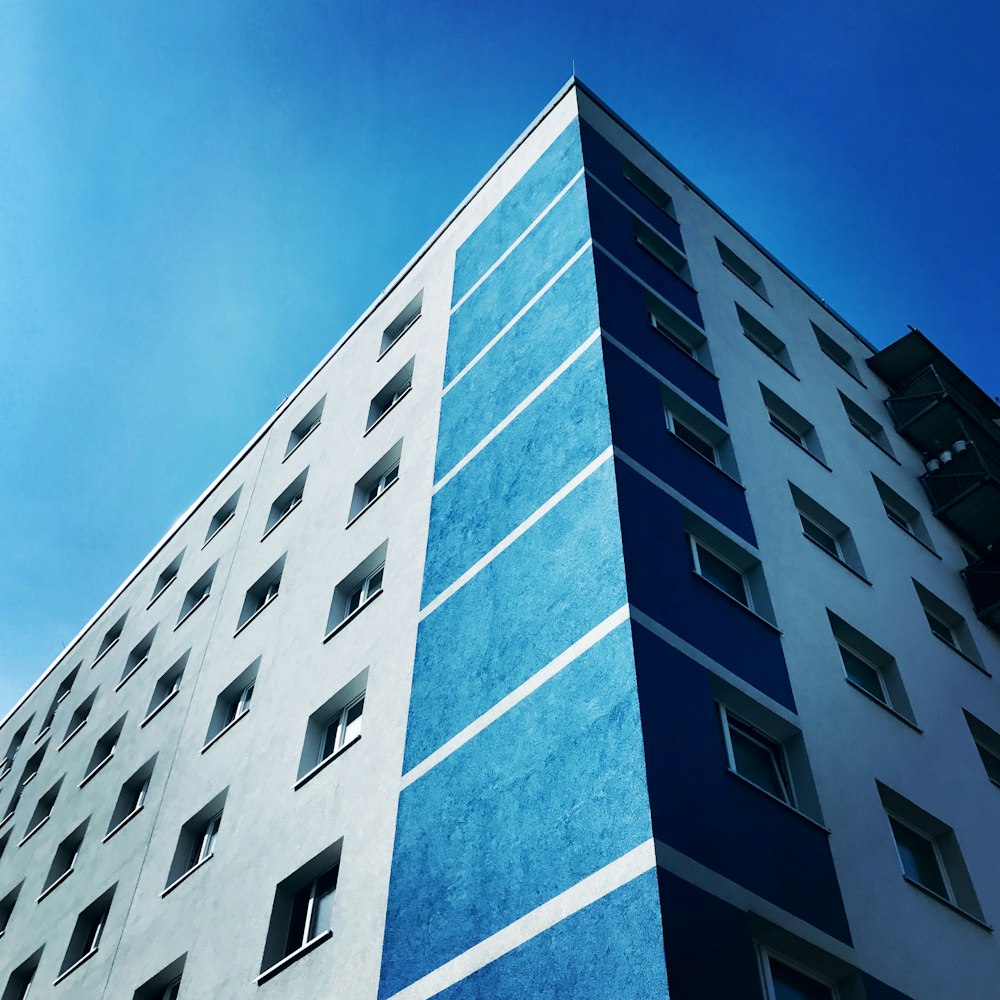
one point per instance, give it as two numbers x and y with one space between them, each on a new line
574 67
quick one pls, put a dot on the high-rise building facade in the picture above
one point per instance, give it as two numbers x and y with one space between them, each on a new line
603 617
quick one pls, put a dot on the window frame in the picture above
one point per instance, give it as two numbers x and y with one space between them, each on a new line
773 747
767 976
695 543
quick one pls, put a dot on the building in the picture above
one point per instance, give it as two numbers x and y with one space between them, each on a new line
585 625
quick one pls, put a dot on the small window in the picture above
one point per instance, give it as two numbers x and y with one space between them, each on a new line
866 425
167 687
43 809
757 757
223 516
19 983
662 251
691 437
87 933
168 576
390 394
836 353
648 187
791 424
376 481
305 427
131 798
302 914
357 589
233 703
788 982
948 625
138 657
165 985
62 693
407 318
761 337
111 638
64 861
16 742
680 332
700 431
289 498
724 575
34 763
104 749
7 906
902 513
826 531
196 843
262 593
333 727
988 744
198 594
742 270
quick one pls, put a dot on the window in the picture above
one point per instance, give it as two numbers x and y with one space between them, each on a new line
791 423
376 481
34 763
305 427
7 906
699 431
131 798
662 251
289 498
333 727
62 693
111 638
165 985
756 756
87 933
104 750
16 742
260 595
691 438
761 337
196 842
357 590
43 809
166 688
826 531
902 513
390 394
648 187
866 425
948 625
720 572
168 576
223 516
232 704
402 322
198 594
302 914
787 982
65 859
19 983
836 353
137 658
742 270
988 744
680 332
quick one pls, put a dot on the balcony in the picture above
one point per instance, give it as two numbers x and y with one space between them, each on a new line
983 580
965 494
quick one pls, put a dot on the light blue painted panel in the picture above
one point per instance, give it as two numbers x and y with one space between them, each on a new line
532 458
540 341
551 792
562 577
609 950
521 275
553 170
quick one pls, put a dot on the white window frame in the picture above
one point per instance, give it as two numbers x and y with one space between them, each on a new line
204 842
768 979
673 420
668 333
938 859
784 427
774 747
309 932
807 522
339 724
845 648
364 592
239 706
381 485
747 593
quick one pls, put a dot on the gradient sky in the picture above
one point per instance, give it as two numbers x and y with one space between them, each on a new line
198 198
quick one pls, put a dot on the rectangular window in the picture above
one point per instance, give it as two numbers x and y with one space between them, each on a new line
14 747
87 933
826 531
138 657
948 625
43 809
648 187
198 594
677 330
262 593
223 516
839 355
788 982
332 728
232 704
167 577
407 318
197 839
691 438
988 744
358 589
289 498
104 750
165 985
791 424
111 638
65 858
720 572
62 693
19 983
761 337
755 756
167 687
305 427
742 270
383 474
131 798
390 394
343 729
902 513
661 250
866 425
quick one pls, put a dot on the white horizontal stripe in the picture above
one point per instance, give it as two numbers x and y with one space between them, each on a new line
533 683
604 881
532 519
520 408
545 211
506 329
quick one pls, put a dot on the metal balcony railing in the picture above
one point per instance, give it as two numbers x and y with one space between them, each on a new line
965 494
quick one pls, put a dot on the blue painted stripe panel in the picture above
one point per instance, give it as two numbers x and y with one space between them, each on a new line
609 950
536 345
518 279
533 457
556 582
551 792
553 170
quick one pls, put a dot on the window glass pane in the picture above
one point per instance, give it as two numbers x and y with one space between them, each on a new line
939 628
916 855
330 739
756 762
352 724
297 923
785 428
863 674
392 475
990 761
323 907
790 984
724 576
353 602
374 582
820 536
693 439
372 493
673 337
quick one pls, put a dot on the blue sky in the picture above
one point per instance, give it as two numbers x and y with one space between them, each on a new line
198 199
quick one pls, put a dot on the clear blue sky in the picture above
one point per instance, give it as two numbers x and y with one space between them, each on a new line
198 198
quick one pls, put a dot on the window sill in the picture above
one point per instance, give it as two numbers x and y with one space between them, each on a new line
259 611
225 729
160 592
781 802
96 770
128 819
55 885
718 468
371 503
177 881
41 736
386 412
738 604
838 560
310 774
883 705
76 965
916 538
293 957
104 652
229 517
6 820
301 441
27 781
288 513
70 735
128 676
354 614
965 656
200 602
159 708
802 447
32 831
683 353
947 902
